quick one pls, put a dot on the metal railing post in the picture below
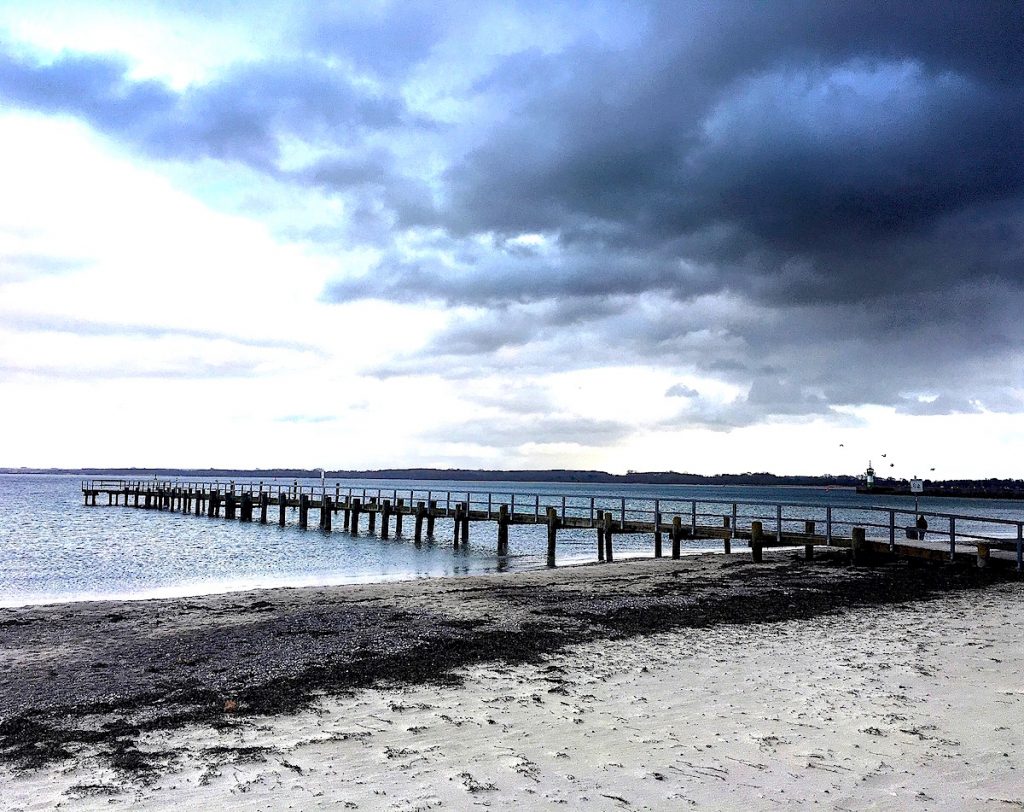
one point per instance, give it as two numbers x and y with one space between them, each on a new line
828 526
952 538
693 518
892 531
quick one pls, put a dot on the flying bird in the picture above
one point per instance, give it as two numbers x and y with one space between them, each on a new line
883 455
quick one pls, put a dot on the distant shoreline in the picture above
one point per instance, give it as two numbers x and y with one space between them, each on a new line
968 488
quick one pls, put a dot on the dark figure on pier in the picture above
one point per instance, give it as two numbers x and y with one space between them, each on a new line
922 525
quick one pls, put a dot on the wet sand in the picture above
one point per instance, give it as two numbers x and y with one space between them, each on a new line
659 684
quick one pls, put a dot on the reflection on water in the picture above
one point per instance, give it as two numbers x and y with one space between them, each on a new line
53 548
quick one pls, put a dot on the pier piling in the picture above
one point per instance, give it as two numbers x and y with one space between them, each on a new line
756 534
608 555
417 530
552 516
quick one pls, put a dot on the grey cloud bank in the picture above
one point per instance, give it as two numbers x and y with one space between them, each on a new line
820 204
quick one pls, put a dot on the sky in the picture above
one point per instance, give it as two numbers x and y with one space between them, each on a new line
704 237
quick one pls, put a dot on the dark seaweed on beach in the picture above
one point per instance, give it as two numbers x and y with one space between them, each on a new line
102 678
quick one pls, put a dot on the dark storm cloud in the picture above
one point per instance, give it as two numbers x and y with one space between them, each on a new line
847 176
239 116
818 203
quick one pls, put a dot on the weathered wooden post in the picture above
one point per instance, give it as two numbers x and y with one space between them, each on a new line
264 504
417 530
552 534
147 501
457 524
677 534
465 523
303 511
431 510
385 518
399 512
199 502
371 516
858 546
135 497
356 506
282 506
347 520
599 523
809 546
608 556
756 533
326 513
503 529
727 524
213 509
229 504
246 507
657 534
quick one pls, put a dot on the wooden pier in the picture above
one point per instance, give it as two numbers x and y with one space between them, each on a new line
869 532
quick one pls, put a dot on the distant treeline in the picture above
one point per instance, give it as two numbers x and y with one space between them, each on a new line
549 475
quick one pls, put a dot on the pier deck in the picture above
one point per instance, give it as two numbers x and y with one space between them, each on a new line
868 531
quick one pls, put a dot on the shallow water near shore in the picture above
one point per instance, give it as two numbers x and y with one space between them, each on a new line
54 549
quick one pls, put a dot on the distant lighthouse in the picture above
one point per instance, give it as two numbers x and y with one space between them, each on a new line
869 476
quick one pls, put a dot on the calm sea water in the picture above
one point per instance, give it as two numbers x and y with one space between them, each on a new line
53 548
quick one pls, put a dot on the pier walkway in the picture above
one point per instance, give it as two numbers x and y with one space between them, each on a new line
870 531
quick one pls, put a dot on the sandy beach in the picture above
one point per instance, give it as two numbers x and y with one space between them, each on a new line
707 682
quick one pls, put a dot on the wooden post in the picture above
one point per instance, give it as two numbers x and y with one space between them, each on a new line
264 503
147 501
371 516
657 534
465 523
431 510
303 511
677 535
457 524
552 534
282 506
727 524
608 536
599 523
213 509
356 506
136 497
200 494
385 518
326 513
348 511
246 507
858 546
399 510
756 532
503 529
229 505
418 524
809 546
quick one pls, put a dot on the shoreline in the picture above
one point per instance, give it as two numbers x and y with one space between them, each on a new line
89 680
